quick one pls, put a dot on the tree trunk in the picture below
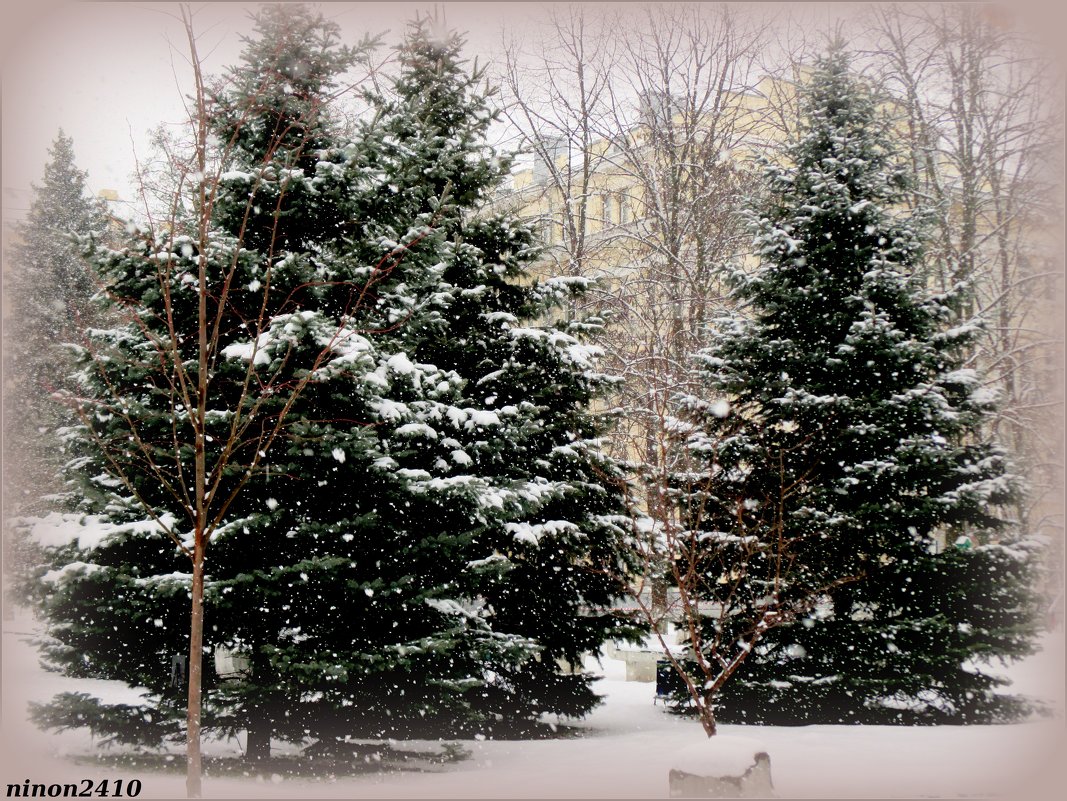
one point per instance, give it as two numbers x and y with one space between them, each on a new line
259 730
196 661
706 707
258 749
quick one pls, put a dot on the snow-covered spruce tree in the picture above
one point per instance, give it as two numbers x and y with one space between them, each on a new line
521 454
48 291
178 431
845 385
430 527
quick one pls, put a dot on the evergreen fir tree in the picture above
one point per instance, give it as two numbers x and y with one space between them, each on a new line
433 528
48 293
845 383
525 431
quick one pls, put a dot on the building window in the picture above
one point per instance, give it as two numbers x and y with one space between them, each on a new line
605 209
548 230
548 226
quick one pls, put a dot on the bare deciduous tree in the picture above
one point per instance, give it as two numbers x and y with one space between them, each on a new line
640 122
728 588
978 110
165 354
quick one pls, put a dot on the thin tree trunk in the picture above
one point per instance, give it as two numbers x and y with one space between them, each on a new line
260 727
707 718
259 730
196 628
196 651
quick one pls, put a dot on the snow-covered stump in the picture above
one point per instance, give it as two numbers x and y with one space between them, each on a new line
722 767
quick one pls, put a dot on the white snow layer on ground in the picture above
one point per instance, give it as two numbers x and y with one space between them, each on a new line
627 749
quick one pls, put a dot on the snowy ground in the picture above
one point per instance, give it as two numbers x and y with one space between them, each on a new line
625 751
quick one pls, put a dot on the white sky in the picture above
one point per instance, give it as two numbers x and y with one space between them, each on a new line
107 73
